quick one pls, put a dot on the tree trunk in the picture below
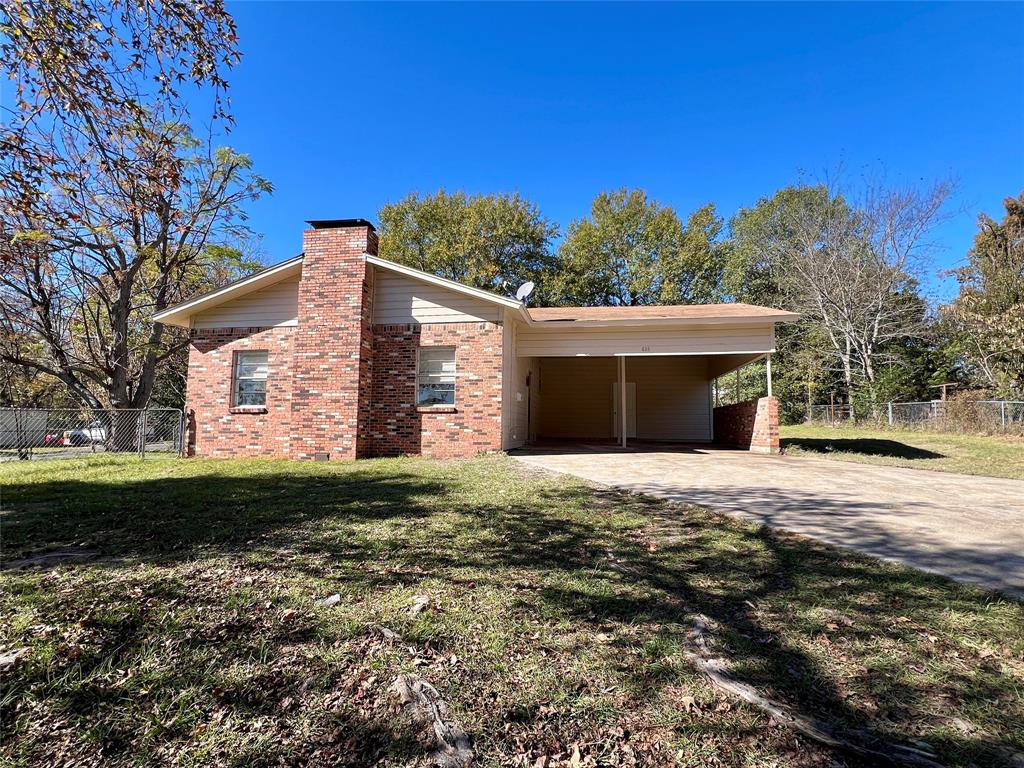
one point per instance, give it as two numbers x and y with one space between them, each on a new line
123 430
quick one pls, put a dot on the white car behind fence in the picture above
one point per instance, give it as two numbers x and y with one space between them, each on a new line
37 433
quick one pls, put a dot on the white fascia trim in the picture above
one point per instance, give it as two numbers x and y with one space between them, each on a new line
563 325
426 277
760 352
243 286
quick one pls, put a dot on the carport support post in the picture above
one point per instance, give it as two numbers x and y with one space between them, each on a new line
768 371
622 400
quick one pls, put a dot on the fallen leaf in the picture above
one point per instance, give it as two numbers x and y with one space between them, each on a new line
387 634
419 602
10 659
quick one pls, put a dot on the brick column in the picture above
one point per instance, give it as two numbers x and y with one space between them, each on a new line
752 424
765 438
333 348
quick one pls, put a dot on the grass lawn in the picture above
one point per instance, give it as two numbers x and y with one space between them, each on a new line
968 454
556 626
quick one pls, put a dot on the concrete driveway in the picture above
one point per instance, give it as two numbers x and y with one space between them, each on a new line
967 528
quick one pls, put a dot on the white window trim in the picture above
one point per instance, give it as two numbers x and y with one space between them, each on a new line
455 376
235 379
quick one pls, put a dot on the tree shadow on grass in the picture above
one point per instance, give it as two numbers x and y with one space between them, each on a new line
380 526
867 446
762 574
164 519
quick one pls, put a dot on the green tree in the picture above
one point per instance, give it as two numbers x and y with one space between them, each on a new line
494 242
988 315
761 238
633 251
22 387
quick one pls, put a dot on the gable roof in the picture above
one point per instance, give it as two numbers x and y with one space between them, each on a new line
540 317
181 314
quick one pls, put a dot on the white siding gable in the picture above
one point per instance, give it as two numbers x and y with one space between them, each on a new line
275 305
401 300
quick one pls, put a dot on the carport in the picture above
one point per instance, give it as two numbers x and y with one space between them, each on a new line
616 374
667 398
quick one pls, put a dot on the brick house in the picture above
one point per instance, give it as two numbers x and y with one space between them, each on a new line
339 354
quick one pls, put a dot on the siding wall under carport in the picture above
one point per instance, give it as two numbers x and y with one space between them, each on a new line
673 397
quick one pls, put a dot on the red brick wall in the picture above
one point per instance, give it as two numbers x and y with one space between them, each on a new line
216 429
753 424
333 344
339 386
397 426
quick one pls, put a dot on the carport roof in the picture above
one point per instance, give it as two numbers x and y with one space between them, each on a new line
692 312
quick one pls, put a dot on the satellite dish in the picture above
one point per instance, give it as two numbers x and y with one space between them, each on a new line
525 290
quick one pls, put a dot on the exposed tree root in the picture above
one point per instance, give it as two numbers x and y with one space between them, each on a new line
48 559
450 744
856 741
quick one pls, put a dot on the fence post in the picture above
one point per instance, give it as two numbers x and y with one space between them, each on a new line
142 433
890 413
1002 413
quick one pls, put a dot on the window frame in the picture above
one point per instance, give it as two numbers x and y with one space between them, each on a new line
237 378
454 375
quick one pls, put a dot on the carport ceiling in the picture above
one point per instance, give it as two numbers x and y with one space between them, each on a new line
719 365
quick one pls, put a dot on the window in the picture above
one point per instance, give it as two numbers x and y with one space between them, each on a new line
435 376
250 379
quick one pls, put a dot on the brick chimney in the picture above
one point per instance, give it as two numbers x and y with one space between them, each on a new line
333 345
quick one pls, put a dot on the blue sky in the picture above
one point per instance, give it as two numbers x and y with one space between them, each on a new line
347 106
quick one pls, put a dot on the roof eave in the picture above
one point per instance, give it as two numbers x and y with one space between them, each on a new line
785 317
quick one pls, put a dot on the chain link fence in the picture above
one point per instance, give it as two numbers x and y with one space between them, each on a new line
939 415
830 414
915 414
61 433
959 415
